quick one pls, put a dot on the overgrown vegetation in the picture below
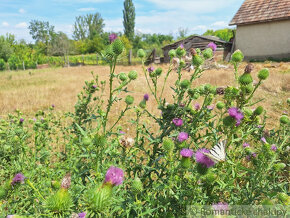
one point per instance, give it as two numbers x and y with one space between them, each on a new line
76 165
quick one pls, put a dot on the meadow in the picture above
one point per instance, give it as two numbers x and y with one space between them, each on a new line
33 90
144 141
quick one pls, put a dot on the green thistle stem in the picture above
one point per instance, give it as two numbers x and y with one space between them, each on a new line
35 189
165 80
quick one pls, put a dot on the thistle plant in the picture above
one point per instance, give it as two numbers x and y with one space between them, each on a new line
166 161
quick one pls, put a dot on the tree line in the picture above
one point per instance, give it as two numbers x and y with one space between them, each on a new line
88 37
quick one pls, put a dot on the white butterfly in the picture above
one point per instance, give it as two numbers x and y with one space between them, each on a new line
218 152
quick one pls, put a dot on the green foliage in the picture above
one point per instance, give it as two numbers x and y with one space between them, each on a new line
2 64
88 141
224 34
129 19
88 26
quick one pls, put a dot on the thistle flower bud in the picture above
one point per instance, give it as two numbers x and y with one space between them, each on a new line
201 169
185 162
137 185
210 177
288 101
109 52
172 53
237 56
180 52
220 105
197 60
123 76
184 84
263 74
182 63
245 79
248 112
129 99
158 71
193 52
133 75
249 68
207 53
141 53
117 47
284 119
220 90
98 199
248 89
86 141
66 181
196 95
191 92
168 144
60 202
142 104
258 111
279 166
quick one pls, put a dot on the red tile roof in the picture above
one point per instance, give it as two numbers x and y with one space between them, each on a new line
257 11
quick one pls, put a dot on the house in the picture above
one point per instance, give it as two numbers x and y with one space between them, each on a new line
263 29
196 41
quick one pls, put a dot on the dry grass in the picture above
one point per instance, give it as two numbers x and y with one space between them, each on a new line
32 90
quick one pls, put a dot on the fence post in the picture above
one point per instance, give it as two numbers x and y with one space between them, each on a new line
8 66
130 57
23 65
97 59
83 59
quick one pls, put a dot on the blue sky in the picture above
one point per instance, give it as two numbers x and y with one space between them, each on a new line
152 16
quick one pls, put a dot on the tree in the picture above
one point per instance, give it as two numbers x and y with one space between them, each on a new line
41 31
88 26
129 19
224 34
60 45
182 33
6 46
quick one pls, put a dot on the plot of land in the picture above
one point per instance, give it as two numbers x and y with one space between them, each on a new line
34 90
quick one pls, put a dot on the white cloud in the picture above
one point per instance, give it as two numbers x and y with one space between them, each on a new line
114 25
220 24
86 9
5 24
21 25
21 11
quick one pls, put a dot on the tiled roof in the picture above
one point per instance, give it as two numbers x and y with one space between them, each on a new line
257 11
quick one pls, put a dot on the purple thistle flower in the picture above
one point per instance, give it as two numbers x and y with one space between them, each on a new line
94 86
21 120
82 215
19 177
248 157
210 107
146 97
221 206
112 37
197 106
182 136
177 121
259 126
254 155
52 105
150 69
203 159
212 45
263 140
245 145
273 147
186 152
34 119
181 46
121 132
235 113
115 176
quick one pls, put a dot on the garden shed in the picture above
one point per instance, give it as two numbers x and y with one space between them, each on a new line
196 41
263 29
